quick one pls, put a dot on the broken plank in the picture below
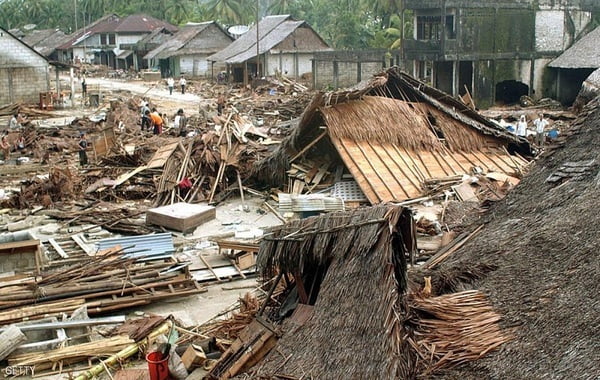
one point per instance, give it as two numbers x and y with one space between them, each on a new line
308 146
58 248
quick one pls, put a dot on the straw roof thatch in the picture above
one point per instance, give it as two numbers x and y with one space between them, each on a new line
391 108
358 309
353 267
542 243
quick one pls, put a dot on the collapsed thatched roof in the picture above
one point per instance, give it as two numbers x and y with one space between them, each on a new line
358 309
352 266
392 134
543 241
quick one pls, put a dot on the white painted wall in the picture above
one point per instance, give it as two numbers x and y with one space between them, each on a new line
549 30
83 54
194 65
295 64
128 38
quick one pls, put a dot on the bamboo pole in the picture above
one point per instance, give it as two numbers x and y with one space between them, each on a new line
125 353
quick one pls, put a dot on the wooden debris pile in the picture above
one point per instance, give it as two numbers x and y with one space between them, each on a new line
60 184
121 220
104 283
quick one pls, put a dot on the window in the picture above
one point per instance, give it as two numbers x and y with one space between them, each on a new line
107 39
450 28
428 27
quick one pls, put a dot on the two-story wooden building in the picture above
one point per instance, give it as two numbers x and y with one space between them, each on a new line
498 50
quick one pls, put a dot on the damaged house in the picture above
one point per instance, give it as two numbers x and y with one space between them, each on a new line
24 72
495 50
187 51
106 40
284 45
387 141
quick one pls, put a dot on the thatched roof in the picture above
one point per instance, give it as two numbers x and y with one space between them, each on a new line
393 132
584 54
358 309
352 266
542 240
272 30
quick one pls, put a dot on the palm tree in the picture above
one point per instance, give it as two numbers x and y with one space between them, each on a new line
232 11
281 7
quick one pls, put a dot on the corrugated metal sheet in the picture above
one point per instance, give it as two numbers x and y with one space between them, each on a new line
309 202
142 245
390 173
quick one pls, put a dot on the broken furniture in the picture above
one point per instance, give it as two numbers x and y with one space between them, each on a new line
241 252
184 217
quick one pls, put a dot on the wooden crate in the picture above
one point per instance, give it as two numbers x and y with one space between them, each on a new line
181 216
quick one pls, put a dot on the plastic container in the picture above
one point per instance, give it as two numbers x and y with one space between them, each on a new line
158 366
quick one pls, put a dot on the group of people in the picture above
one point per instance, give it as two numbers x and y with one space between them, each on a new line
539 124
151 118
171 84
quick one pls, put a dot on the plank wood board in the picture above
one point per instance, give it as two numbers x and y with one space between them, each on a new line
19 246
465 192
58 248
390 173
181 216
162 155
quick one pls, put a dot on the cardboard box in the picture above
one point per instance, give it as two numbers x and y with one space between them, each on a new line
193 357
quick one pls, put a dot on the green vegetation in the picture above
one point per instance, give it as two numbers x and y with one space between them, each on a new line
345 24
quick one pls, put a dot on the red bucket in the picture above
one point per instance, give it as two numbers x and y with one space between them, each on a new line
158 366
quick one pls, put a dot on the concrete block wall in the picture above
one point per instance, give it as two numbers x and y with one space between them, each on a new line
347 74
323 75
23 72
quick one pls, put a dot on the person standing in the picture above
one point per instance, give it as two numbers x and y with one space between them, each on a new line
220 104
182 83
522 127
5 148
540 126
157 121
145 116
181 123
83 144
83 87
170 84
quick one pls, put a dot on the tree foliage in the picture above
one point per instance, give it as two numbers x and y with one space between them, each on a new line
344 24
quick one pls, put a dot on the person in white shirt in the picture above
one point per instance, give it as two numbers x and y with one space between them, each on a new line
540 126
182 83
170 84
522 127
